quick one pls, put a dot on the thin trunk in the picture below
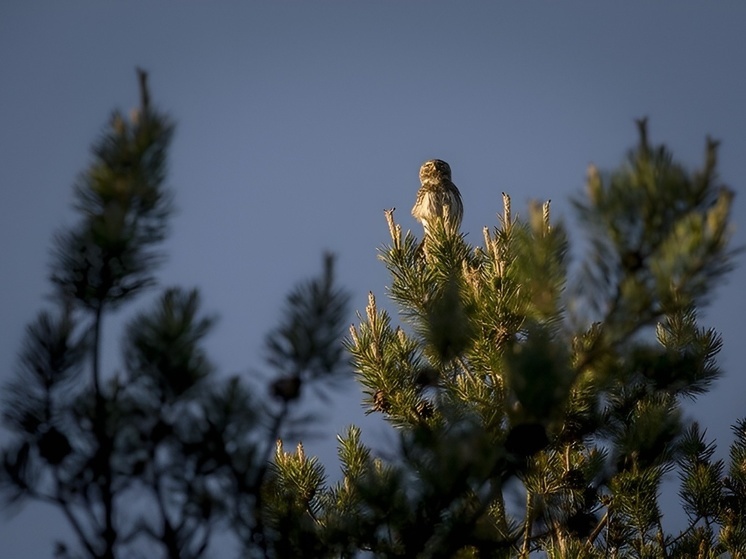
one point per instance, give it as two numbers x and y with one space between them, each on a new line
105 444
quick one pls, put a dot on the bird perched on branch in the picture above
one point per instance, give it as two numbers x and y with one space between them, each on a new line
438 197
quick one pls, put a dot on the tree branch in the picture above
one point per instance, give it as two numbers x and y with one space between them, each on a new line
529 521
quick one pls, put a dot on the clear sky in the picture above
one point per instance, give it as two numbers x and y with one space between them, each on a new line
298 123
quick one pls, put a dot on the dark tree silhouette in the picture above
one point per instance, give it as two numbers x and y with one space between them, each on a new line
152 459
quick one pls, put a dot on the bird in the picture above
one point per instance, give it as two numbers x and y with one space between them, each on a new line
437 197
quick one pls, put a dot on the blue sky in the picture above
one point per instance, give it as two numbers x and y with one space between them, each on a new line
298 123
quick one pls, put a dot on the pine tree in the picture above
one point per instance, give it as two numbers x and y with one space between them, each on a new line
534 416
537 410
153 460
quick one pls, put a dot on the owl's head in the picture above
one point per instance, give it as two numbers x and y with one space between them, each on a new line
434 170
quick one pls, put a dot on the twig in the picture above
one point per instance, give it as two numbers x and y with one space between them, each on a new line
465 368
525 550
597 530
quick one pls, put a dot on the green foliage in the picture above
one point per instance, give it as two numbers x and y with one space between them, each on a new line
659 235
502 381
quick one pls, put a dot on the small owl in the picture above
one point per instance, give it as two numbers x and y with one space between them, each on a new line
438 197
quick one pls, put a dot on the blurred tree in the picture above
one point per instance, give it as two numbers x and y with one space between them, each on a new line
535 414
151 460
